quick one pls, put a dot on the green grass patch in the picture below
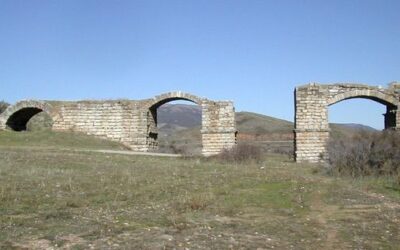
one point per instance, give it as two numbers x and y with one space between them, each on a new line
54 140
275 195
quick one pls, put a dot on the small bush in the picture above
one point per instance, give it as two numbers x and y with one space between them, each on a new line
241 153
366 153
287 151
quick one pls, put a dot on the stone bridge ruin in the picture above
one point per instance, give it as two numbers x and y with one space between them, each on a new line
133 123
311 114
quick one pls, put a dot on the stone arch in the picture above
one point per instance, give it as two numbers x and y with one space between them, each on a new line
374 95
17 116
218 129
377 95
311 113
174 96
155 103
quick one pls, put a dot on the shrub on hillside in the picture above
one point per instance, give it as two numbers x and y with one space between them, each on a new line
241 153
287 151
366 153
3 106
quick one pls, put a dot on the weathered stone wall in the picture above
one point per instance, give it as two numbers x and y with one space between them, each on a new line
218 126
133 123
311 114
115 120
311 126
394 87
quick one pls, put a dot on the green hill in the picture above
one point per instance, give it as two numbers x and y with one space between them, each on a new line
248 122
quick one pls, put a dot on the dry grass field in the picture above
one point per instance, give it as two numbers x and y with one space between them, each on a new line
54 196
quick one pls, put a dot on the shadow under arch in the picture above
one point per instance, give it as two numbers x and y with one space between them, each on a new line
16 117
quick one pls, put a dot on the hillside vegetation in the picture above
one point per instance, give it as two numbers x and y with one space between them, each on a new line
253 123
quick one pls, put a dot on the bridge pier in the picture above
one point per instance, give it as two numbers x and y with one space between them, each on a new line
390 117
218 127
311 125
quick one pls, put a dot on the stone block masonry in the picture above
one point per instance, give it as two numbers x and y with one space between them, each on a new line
114 120
218 127
133 123
311 114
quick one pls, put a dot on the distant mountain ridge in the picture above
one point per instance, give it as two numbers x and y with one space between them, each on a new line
183 115
355 126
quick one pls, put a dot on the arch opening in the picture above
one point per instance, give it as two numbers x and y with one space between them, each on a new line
356 117
312 101
355 125
18 121
362 111
389 114
175 125
359 143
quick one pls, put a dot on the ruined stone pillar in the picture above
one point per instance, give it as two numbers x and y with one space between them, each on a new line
397 125
311 124
218 127
394 116
390 117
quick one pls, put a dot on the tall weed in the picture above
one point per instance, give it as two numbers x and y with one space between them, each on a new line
366 154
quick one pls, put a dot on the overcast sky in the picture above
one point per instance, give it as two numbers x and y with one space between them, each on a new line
252 52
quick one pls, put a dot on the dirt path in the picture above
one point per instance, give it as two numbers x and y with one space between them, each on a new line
330 216
105 151
322 212
124 152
